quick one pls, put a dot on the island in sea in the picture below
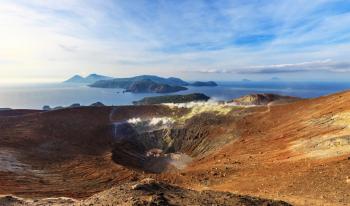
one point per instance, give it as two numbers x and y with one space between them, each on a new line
92 78
139 84
195 97
204 84
149 86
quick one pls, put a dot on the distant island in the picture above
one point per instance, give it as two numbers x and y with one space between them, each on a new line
172 99
204 84
148 84
75 105
86 80
139 84
126 82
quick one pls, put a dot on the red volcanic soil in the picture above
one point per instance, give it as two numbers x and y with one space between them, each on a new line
17 112
297 152
263 163
63 152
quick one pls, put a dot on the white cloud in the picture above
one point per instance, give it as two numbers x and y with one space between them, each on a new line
56 39
314 66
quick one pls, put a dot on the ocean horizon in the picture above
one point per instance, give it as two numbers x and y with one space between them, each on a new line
36 95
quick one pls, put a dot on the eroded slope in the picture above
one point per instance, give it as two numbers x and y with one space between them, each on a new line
297 152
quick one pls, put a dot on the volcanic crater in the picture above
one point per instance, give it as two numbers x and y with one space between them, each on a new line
160 144
85 152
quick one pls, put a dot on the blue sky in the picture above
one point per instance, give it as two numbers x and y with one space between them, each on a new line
194 39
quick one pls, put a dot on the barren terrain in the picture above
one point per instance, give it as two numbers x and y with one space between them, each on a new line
297 152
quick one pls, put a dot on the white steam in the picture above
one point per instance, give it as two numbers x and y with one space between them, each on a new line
194 104
196 108
150 124
134 120
212 103
161 121
155 121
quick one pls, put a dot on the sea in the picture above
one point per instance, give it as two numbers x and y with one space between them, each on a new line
35 96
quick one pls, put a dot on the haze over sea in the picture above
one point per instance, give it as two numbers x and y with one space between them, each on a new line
35 96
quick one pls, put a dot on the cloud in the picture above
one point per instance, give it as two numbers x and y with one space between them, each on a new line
122 38
68 48
315 66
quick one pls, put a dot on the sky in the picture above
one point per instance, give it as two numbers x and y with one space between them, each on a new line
50 40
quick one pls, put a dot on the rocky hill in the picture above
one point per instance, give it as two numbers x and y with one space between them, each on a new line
263 99
173 99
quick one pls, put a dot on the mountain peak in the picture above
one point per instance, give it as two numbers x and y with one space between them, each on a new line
91 78
94 75
75 78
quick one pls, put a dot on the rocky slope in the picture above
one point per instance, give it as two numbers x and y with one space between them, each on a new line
263 99
297 152
149 192
172 99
